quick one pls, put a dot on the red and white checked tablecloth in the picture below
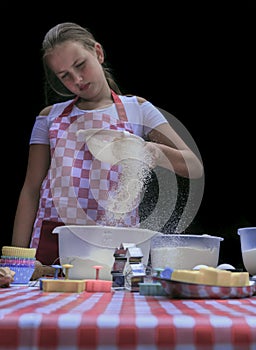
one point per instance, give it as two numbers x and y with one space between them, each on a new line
33 319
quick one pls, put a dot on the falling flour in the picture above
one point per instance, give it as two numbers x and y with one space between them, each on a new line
127 195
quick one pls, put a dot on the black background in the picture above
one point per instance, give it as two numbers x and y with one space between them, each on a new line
194 61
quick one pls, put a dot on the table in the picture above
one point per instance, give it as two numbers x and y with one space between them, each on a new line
33 319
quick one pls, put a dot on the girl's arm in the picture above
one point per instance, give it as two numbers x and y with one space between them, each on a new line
38 164
171 152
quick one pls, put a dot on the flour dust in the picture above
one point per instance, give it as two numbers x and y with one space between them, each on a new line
126 197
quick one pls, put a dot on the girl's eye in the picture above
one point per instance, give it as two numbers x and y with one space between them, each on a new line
64 76
80 65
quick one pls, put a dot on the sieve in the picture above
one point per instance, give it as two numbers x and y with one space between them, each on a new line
112 146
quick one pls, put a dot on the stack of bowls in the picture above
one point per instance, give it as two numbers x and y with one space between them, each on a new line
21 261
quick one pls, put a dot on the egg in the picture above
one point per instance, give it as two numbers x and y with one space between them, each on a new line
198 267
225 267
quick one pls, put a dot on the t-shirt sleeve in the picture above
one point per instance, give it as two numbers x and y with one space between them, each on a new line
152 116
40 130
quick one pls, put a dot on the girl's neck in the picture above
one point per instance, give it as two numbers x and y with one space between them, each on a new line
100 103
84 105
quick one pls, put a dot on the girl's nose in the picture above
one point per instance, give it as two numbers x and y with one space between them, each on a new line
78 79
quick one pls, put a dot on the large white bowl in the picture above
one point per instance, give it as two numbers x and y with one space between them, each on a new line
184 251
87 246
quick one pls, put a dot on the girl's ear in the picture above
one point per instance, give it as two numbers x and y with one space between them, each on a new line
99 52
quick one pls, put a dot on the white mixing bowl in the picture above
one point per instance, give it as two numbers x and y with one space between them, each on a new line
87 246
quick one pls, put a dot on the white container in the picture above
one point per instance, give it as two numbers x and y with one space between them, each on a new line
112 146
184 251
87 246
248 248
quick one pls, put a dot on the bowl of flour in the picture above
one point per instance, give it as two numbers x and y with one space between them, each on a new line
184 251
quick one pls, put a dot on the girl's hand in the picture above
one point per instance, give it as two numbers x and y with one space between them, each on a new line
152 154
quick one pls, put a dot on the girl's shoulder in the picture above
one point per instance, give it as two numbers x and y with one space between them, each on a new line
133 98
45 111
141 99
54 109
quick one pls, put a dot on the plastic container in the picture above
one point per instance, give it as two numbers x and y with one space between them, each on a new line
184 251
112 146
248 248
87 246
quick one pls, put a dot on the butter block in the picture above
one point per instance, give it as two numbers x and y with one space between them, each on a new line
189 276
212 276
58 285
209 275
240 279
216 277
224 278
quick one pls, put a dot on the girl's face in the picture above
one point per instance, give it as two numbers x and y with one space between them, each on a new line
77 68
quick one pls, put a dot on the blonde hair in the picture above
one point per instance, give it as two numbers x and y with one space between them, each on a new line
58 34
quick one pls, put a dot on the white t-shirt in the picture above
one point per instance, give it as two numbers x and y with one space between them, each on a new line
143 116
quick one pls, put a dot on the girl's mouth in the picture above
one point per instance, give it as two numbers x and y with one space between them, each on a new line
84 87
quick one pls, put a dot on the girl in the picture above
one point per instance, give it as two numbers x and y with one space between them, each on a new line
64 184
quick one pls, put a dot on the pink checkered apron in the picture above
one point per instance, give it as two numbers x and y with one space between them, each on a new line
77 185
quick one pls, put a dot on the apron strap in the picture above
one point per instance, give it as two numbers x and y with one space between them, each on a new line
118 103
69 107
119 106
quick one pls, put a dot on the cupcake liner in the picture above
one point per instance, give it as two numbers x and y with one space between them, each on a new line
22 274
13 260
19 252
